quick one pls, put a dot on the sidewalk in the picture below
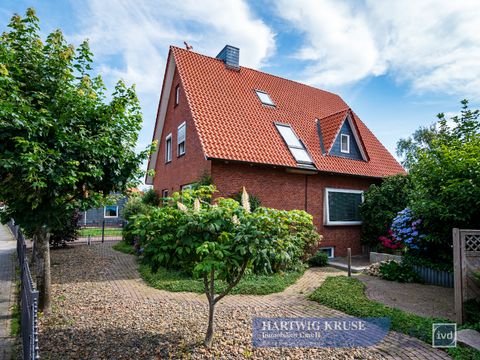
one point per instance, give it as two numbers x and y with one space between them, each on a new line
7 278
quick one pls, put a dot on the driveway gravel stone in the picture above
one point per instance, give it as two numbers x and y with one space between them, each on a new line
103 310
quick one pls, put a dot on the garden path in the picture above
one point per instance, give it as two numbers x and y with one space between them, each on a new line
423 300
103 310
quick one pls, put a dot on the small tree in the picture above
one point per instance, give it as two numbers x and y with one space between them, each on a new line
62 146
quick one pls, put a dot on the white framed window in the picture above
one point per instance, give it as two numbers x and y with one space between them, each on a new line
110 211
177 95
186 187
342 206
264 98
329 250
164 193
295 146
168 148
181 135
345 143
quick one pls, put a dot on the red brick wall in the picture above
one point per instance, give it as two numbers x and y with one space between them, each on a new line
278 189
189 167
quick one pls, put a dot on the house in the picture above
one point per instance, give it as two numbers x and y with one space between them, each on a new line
291 145
110 214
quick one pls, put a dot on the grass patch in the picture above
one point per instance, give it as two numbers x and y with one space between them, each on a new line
124 247
97 231
347 295
15 326
251 284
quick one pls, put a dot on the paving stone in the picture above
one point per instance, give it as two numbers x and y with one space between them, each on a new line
103 310
469 337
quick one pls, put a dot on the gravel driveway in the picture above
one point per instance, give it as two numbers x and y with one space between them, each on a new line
103 310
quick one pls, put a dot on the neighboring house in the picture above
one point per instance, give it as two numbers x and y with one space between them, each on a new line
291 145
111 214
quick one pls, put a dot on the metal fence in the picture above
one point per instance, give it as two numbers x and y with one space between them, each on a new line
28 300
101 230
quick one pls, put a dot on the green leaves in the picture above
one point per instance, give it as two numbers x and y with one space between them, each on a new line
63 144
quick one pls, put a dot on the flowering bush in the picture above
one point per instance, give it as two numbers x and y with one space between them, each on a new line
407 229
404 233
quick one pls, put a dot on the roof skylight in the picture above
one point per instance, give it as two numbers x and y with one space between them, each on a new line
294 144
264 98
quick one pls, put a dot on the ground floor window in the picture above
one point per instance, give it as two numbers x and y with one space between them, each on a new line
342 206
329 251
164 193
186 187
110 211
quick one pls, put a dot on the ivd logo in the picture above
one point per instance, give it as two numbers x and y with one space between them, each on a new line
444 335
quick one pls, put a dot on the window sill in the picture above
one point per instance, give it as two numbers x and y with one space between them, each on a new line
342 223
179 156
168 162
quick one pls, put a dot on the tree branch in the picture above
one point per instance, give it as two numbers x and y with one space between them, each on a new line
233 284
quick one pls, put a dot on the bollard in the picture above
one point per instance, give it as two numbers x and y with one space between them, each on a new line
89 240
349 261
103 231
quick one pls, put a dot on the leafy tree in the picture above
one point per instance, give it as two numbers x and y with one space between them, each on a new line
221 241
381 204
62 145
445 175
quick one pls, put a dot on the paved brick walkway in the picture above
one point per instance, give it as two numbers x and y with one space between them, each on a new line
86 277
423 300
7 278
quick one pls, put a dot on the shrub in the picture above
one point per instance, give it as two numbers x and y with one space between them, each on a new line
406 228
395 271
381 204
134 206
319 259
171 236
67 231
151 197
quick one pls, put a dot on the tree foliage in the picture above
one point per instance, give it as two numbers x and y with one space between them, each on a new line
445 177
381 204
63 146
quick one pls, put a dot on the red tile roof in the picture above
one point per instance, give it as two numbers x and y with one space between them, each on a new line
233 124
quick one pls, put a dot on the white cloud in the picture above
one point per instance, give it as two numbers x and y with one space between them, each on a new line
434 45
139 32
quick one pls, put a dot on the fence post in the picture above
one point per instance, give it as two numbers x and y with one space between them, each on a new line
103 231
458 276
349 261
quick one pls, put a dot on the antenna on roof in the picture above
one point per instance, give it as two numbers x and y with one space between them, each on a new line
187 46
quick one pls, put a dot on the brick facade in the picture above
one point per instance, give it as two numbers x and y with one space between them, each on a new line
189 167
278 189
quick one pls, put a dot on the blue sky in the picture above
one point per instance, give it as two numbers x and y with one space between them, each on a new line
396 63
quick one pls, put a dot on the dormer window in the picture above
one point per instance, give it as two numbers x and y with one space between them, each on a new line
264 98
294 144
345 143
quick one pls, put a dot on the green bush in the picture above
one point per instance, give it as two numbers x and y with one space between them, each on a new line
319 259
134 206
401 272
151 197
381 204
173 235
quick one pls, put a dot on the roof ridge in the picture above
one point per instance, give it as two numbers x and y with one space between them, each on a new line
263 72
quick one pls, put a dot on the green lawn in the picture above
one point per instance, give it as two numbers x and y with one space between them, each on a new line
347 295
176 281
97 231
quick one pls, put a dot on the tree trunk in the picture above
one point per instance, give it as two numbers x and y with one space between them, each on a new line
42 267
209 335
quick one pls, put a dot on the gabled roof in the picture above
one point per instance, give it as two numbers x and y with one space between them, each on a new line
233 124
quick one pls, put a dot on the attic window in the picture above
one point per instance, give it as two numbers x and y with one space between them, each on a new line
264 98
295 146
345 144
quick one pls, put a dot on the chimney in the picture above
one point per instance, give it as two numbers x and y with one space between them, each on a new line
230 56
